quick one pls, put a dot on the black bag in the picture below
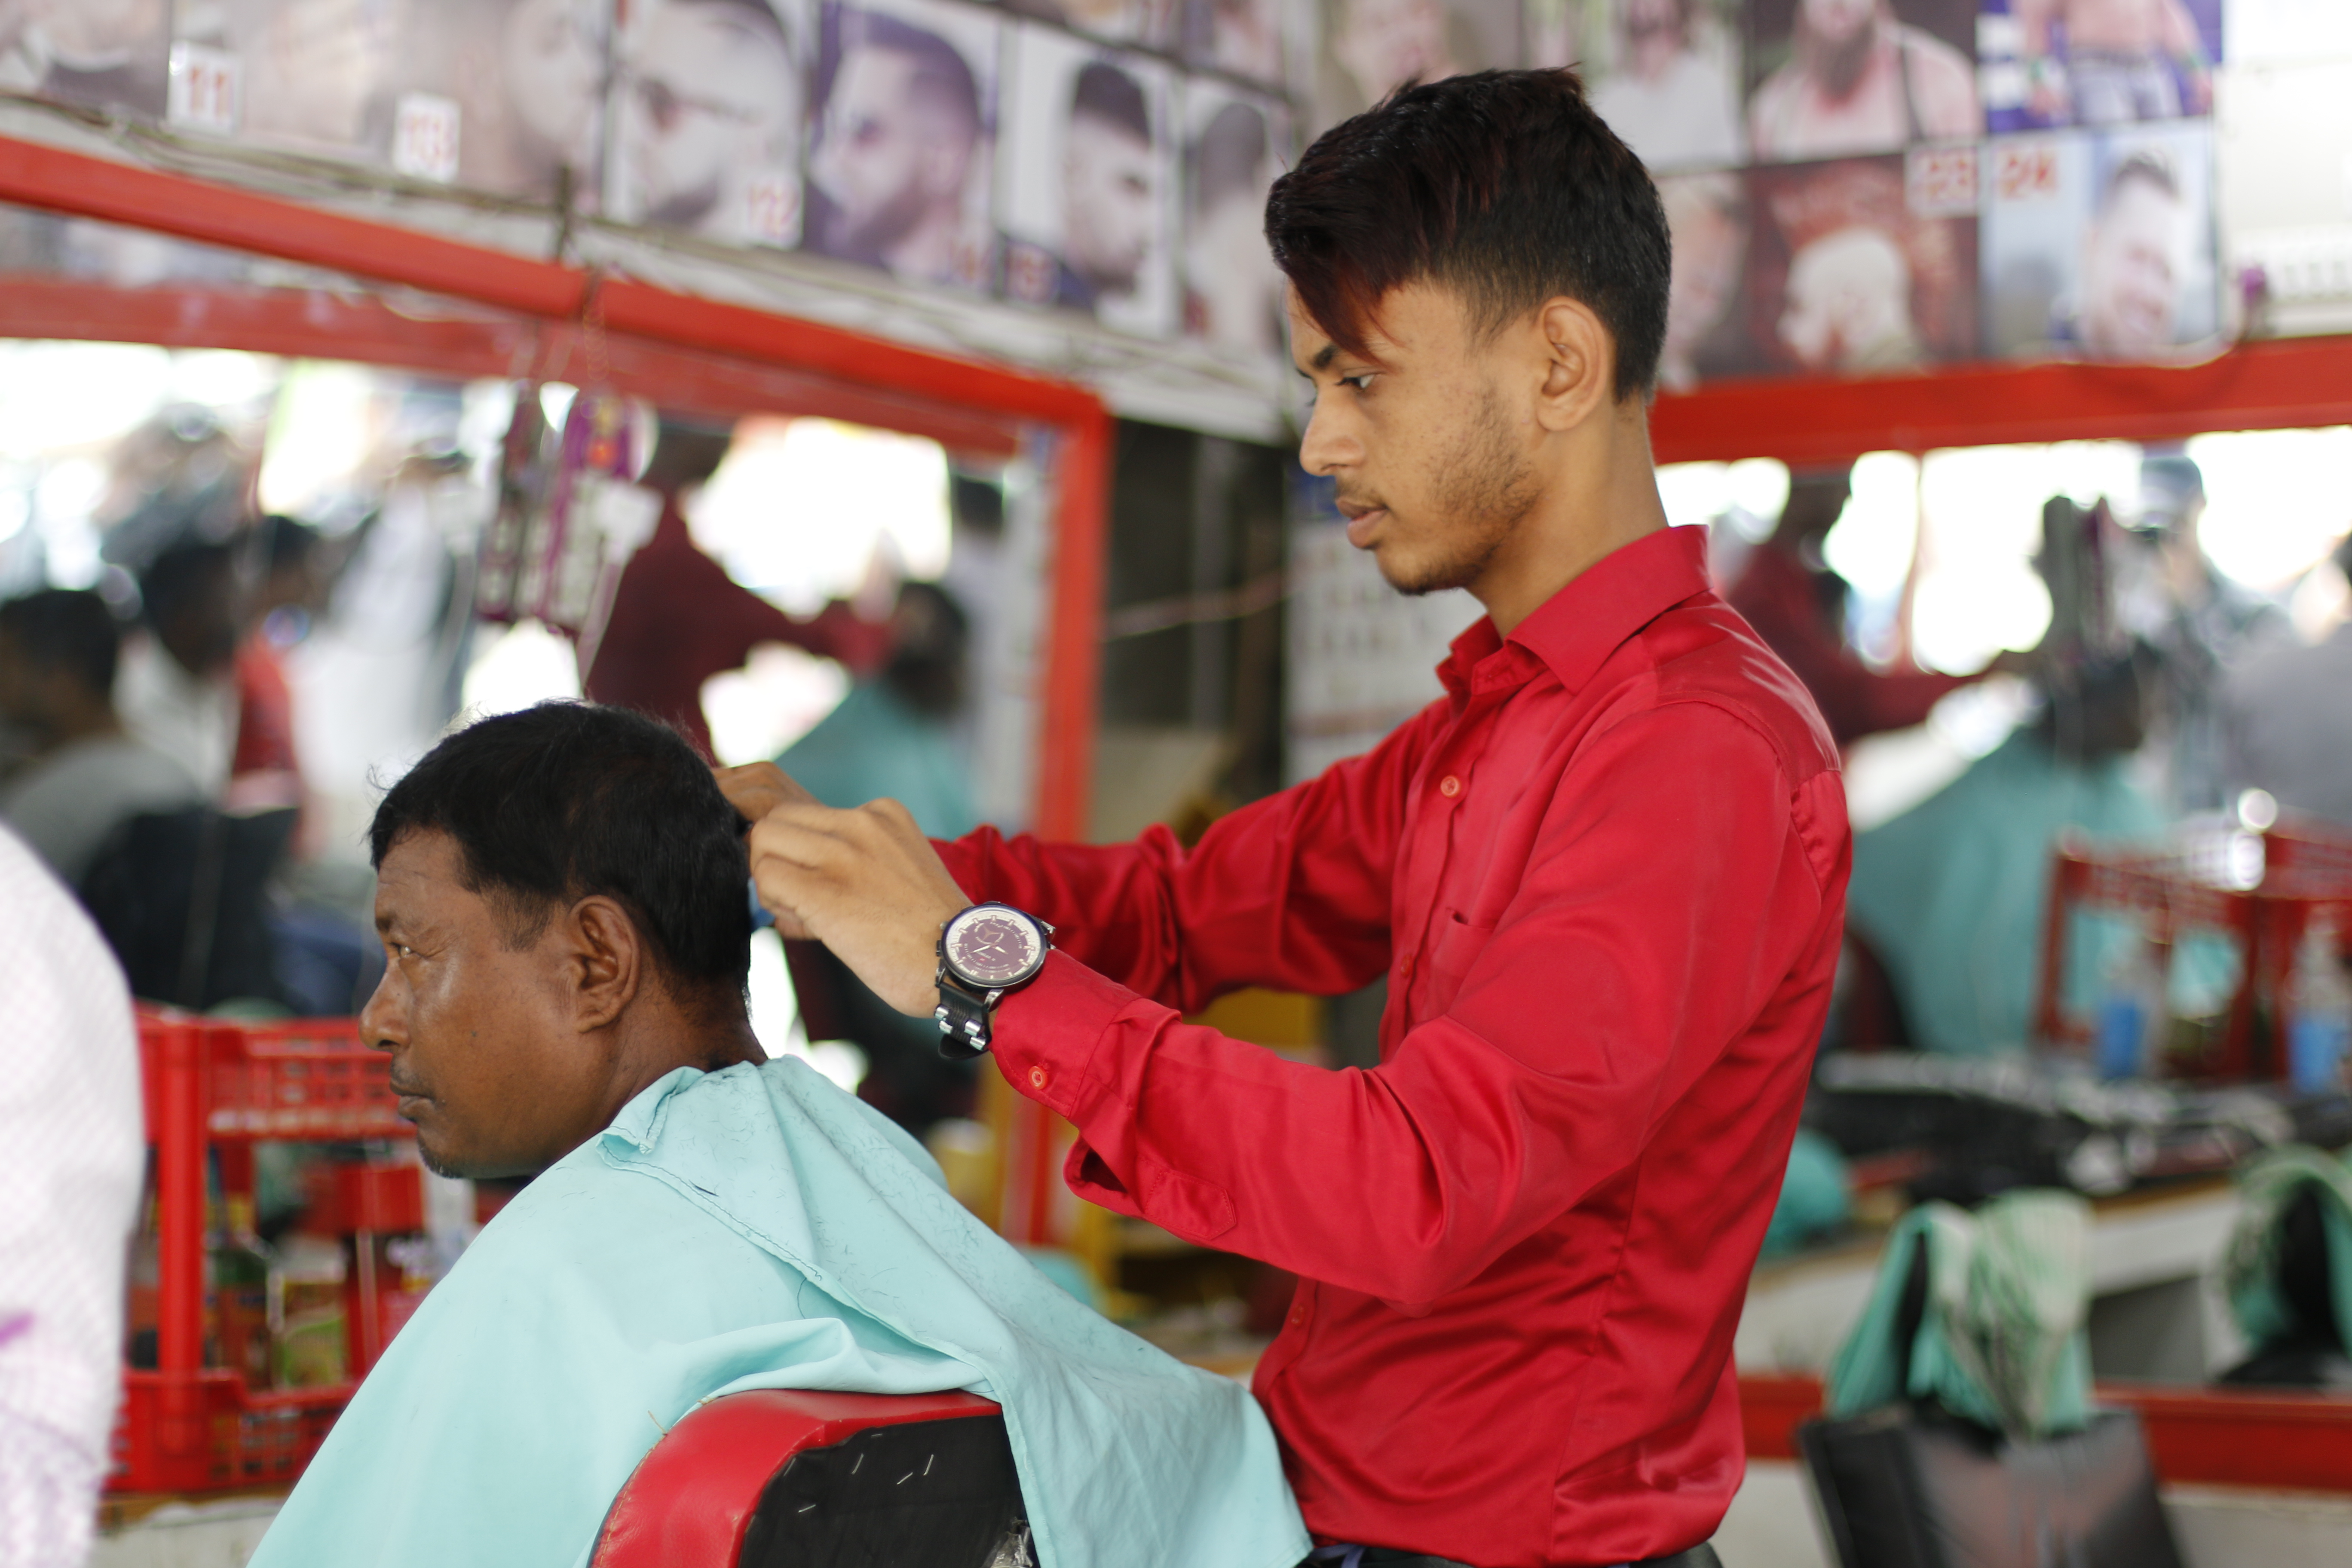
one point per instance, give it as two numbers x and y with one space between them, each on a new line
1906 1489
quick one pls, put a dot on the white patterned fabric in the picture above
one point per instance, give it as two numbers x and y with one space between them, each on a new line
71 1153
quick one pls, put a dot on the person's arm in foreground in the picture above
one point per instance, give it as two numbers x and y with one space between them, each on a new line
1628 958
70 1162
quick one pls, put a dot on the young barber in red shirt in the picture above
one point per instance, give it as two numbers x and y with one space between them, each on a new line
1605 875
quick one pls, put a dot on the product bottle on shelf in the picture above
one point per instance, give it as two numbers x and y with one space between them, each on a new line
237 1267
306 1312
2131 1017
2319 1012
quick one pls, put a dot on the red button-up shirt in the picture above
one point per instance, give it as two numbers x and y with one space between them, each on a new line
1605 874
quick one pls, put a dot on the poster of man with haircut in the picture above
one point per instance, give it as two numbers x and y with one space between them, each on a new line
899 174
708 109
1089 186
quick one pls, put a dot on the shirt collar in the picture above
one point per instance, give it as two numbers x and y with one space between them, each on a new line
1574 630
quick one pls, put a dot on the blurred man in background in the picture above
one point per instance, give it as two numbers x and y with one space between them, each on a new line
1707 214
1858 81
712 109
176 689
2287 717
59 650
1949 895
70 1156
1797 603
901 140
2133 257
679 619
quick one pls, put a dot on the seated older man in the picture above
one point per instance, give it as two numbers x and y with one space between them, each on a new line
561 897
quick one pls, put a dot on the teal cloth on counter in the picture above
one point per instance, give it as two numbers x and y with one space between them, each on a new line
875 744
1815 1200
2250 1268
756 1228
1951 894
2003 1336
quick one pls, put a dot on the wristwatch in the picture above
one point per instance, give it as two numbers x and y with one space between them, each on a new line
985 951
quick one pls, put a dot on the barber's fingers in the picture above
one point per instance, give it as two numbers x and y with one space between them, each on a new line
755 789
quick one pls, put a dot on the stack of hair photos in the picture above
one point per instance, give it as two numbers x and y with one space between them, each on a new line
1855 186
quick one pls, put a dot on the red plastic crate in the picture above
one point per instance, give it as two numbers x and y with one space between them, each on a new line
212 1434
2262 890
184 1428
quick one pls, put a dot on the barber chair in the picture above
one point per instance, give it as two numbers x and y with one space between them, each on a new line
798 1479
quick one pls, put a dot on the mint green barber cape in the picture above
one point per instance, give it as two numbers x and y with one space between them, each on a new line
758 1228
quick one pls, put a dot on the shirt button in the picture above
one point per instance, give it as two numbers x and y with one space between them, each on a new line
1036 1077
1449 786
1406 967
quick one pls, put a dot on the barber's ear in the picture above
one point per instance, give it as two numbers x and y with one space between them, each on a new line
607 961
1579 363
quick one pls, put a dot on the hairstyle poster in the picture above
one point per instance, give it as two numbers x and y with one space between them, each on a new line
1833 79
1091 181
100 57
1665 75
2100 245
1149 24
1235 145
711 110
2095 63
1240 37
1849 273
1707 326
899 166
1370 47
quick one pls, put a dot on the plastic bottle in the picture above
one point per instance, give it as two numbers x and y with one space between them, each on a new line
2131 1010
2319 1012
239 1267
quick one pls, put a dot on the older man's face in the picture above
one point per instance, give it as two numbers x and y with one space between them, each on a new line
486 1056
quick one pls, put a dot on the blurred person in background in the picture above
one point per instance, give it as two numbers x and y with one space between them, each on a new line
1949 896
72 1152
902 135
1674 106
264 769
2123 60
2286 716
1858 81
890 738
58 650
2201 626
2133 254
1797 603
710 106
176 689
679 619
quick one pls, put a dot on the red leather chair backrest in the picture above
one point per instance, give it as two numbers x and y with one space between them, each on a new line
693 1500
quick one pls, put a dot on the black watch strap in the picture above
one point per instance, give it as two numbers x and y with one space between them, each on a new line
963 1016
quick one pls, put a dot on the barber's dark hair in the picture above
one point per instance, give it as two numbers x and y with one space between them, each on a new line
65 629
1107 93
1503 186
570 800
942 77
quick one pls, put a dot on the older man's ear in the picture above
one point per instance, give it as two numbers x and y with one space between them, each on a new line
605 960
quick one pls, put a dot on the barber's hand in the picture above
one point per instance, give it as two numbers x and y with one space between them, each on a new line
865 883
756 789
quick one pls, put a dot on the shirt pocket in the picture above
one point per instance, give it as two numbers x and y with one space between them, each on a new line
1452 949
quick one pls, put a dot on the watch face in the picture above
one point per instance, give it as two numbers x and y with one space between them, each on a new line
994 947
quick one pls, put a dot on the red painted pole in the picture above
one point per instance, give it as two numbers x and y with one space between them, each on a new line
180 1225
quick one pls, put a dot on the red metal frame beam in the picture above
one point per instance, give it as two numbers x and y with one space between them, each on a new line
2195 1436
2280 383
365 328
